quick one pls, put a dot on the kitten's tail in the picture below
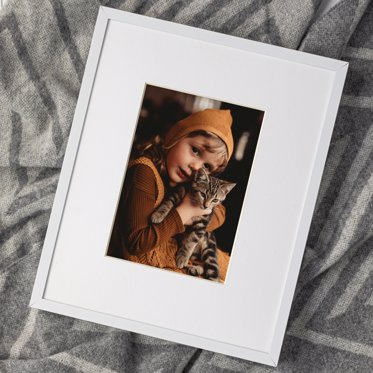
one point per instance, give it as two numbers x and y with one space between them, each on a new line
209 257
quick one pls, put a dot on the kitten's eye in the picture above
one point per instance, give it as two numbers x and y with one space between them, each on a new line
215 200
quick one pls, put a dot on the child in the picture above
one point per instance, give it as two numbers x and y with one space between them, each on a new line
203 139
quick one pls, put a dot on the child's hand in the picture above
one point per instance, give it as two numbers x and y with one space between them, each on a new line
187 210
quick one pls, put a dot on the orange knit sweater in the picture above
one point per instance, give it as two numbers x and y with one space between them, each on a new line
134 237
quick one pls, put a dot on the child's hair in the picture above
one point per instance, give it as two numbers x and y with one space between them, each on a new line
156 150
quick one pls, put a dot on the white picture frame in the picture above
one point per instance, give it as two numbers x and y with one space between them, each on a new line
247 315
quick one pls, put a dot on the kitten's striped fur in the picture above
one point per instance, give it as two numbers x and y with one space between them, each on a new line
196 244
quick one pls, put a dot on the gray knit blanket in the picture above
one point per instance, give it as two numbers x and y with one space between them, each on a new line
43 51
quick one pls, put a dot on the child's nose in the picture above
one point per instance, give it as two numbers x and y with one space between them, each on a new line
196 166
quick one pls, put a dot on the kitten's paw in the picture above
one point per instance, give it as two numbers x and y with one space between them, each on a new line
212 274
181 261
195 270
196 219
157 217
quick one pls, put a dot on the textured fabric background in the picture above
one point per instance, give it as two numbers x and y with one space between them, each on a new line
43 50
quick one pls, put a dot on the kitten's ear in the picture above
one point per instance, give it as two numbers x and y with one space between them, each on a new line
201 175
227 186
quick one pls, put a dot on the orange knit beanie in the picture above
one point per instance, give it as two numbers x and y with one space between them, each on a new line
218 122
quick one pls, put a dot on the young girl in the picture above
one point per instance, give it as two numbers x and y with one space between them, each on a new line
204 139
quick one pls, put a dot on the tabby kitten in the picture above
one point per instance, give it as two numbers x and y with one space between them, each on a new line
196 243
